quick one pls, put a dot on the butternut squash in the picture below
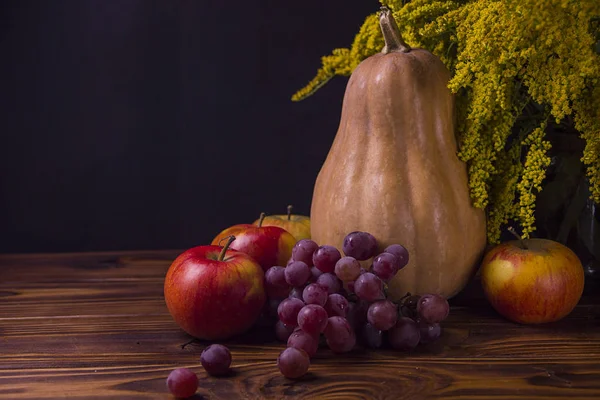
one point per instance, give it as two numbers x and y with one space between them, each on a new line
393 170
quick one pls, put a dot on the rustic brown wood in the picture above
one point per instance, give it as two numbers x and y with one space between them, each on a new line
95 326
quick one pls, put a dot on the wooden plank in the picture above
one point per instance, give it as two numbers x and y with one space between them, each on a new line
129 357
81 326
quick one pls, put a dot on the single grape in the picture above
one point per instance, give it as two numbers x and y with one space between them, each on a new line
288 311
325 258
264 319
303 340
296 293
283 331
312 319
350 285
400 252
330 282
369 287
360 245
339 335
347 269
407 312
405 335
315 273
293 363
372 336
273 306
303 251
275 284
297 273
433 308
182 382
385 266
429 332
216 359
336 305
315 294
382 314
351 314
357 313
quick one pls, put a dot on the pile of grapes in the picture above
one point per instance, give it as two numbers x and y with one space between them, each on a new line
322 296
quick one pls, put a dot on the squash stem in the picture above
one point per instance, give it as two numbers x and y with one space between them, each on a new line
515 234
289 212
391 33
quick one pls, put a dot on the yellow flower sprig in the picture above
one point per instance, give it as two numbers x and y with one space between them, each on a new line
506 58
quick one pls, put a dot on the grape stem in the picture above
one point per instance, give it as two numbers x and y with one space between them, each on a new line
406 296
289 212
183 346
230 239
385 290
261 219
519 237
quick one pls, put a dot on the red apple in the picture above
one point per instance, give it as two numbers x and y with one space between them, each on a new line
297 225
213 292
532 280
268 245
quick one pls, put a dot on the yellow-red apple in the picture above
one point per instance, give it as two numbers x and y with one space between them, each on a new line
213 292
532 281
233 230
297 225
268 245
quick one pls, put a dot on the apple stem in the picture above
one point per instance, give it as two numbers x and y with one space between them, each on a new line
226 247
519 237
261 219
289 211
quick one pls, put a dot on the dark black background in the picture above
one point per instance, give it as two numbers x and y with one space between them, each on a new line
139 124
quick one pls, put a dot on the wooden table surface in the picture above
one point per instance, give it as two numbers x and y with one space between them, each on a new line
95 326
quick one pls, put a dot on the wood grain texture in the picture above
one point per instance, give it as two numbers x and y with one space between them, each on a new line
95 326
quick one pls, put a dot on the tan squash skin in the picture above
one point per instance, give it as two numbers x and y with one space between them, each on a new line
392 170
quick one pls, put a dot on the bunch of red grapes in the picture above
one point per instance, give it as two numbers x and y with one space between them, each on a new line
322 295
